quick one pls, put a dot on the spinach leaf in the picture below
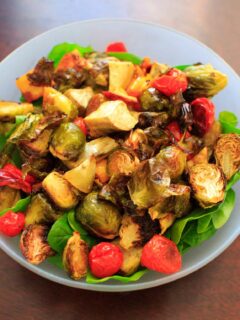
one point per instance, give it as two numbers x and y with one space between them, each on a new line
134 277
21 205
56 260
182 67
235 178
203 223
61 49
228 122
59 233
126 56
37 103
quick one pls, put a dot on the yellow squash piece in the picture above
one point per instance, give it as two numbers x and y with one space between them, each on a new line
9 109
29 91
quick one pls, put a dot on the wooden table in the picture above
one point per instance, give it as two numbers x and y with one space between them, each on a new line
212 292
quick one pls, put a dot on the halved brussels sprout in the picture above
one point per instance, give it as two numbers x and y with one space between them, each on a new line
33 244
40 211
38 147
122 161
210 138
67 142
9 110
75 257
153 119
54 101
62 193
8 197
136 230
227 153
82 177
38 167
204 81
208 184
152 100
99 217
166 221
201 157
173 160
80 97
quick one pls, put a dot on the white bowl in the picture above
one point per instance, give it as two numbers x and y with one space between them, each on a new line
144 39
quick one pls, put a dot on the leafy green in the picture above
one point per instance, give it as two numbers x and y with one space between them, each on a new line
182 67
56 260
126 56
21 205
228 122
61 49
59 233
37 103
235 178
134 277
203 223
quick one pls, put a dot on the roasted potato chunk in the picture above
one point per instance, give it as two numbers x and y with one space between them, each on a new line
80 97
9 110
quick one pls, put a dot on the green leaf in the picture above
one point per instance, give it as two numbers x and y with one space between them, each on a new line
235 178
56 260
228 117
182 67
21 205
192 238
203 223
221 216
126 56
59 234
76 226
134 277
61 49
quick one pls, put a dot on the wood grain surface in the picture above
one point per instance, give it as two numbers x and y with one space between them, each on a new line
210 293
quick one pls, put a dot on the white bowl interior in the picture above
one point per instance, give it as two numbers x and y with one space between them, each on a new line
144 39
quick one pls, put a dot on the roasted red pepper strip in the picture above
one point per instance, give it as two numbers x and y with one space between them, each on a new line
113 96
203 111
79 121
172 82
116 47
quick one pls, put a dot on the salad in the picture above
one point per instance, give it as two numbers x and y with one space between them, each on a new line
113 165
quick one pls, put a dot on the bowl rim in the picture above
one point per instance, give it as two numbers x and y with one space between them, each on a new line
129 286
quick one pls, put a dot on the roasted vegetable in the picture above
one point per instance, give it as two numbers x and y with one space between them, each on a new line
101 171
75 257
152 100
204 81
201 157
82 177
210 138
54 101
138 141
166 221
95 103
122 161
38 147
8 197
9 110
42 74
99 217
208 184
29 91
109 117
120 74
40 211
33 244
136 230
227 153
80 97
61 192
38 167
153 119
67 142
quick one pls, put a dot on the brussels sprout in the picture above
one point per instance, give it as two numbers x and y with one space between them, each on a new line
122 161
138 141
69 78
210 138
157 139
204 81
62 193
109 117
9 110
99 217
38 147
131 259
33 244
82 177
75 257
80 97
166 221
152 100
227 154
173 160
67 142
38 167
54 101
147 183
42 74
40 211
136 230
120 74
8 197
208 184
201 157
153 119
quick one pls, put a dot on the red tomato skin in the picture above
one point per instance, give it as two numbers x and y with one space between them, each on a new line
113 96
105 259
116 47
161 254
203 111
11 223
79 121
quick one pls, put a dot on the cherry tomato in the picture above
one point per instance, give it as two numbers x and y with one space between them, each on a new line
79 121
116 47
11 223
105 259
113 96
162 255
203 111
172 82
174 128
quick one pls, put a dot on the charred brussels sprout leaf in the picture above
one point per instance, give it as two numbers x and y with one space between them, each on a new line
152 100
67 79
99 217
67 141
42 74
122 161
153 119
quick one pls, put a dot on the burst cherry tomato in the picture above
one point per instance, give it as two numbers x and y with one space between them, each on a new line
203 111
162 255
79 121
105 259
175 130
172 82
135 105
11 223
116 47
